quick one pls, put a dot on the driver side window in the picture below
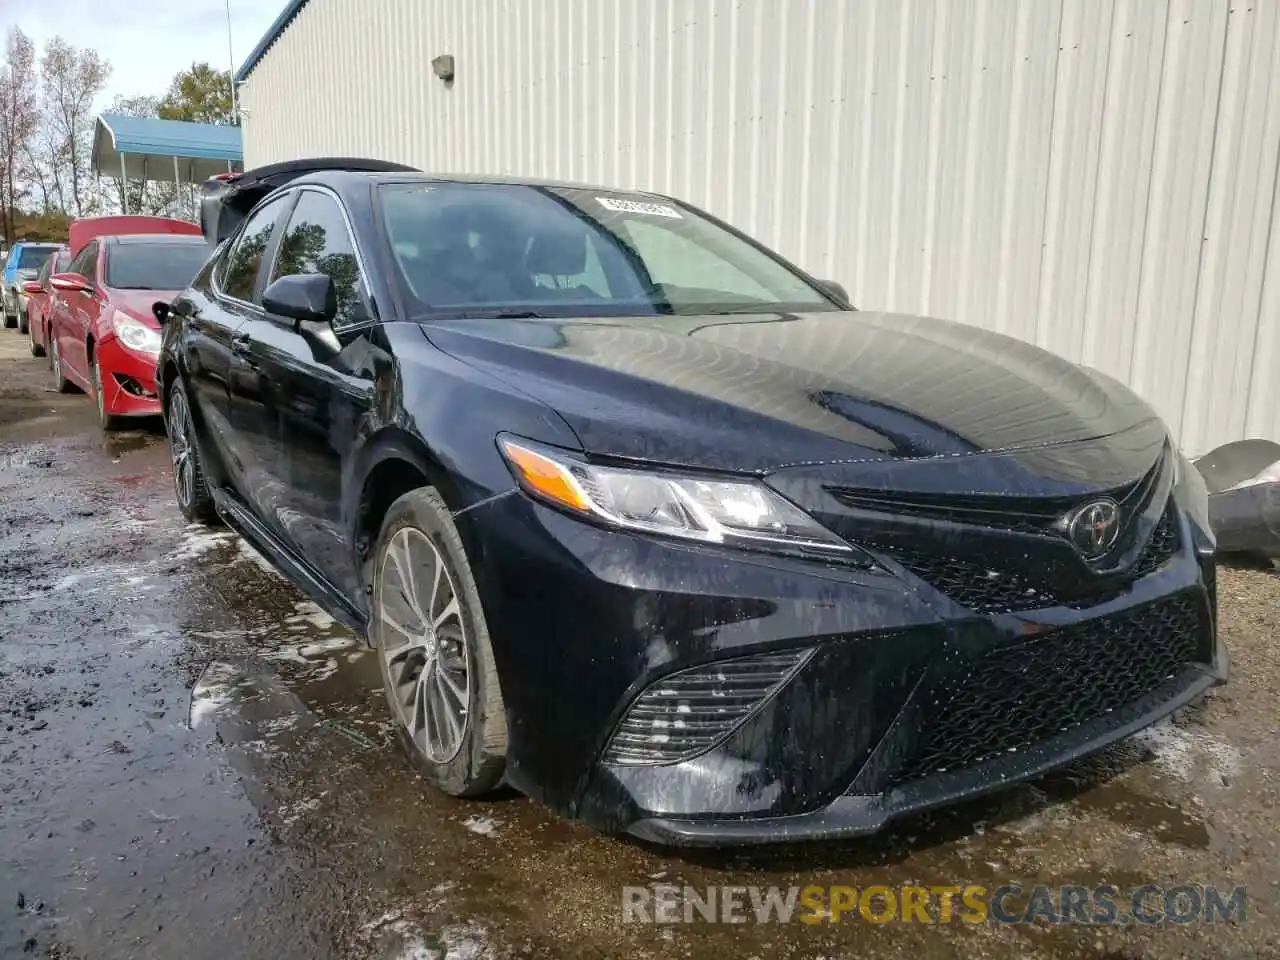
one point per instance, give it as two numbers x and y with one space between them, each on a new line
317 241
86 262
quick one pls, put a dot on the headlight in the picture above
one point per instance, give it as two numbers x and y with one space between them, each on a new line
135 334
732 512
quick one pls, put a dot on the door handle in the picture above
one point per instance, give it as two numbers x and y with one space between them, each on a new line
240 349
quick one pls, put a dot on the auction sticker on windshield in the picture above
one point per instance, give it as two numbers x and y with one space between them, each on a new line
635 206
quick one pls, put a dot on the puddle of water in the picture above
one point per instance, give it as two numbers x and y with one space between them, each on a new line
246 552
1158 819
121 443
214 691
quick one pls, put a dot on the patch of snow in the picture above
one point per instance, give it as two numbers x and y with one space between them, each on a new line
457 942
466 942
319 648
198 540
293 811
1190 754
485 826
304 611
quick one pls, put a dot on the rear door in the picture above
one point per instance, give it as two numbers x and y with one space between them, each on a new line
314 385
213 323
75 315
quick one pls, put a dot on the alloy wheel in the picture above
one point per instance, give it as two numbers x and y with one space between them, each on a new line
423 645
179 427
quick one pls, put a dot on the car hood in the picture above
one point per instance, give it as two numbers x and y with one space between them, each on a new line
760 392
137 303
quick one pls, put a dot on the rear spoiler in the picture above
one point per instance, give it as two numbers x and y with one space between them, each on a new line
226 199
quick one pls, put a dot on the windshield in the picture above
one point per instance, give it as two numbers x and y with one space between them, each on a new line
154 265
33 258
474 249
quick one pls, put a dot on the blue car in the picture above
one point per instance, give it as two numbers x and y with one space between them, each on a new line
22 264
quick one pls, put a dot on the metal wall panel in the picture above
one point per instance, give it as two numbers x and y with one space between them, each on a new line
1094 176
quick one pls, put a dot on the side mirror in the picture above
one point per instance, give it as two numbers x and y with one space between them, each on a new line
304 297
834 290
31 287
69 282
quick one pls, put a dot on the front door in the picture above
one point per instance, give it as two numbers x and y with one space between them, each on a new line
314 384
217 328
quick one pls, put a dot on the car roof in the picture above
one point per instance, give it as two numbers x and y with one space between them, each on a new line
155 238
348 177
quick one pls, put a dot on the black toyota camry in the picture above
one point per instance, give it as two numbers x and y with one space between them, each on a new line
651 525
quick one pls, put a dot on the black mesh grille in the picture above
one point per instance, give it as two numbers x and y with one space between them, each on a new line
684 713
1016 696
986 587
1162 545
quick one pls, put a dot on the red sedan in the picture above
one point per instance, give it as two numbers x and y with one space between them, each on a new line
39 299
104 336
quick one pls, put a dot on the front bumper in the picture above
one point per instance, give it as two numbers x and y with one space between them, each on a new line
128 380
585 620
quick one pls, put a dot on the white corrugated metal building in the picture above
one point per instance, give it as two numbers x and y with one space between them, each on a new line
1095 176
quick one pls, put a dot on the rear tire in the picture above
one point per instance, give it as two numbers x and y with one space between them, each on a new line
36 349
429 630
107 421
190 487
10 319
22 320
60 383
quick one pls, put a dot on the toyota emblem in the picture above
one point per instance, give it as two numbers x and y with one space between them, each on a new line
1094 528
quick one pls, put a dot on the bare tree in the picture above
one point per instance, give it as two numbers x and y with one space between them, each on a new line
48 164
72 79
18 117
34 171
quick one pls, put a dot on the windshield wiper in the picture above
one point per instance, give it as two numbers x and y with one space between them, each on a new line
495 315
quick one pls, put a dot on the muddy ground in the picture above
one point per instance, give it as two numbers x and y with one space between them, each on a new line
195 762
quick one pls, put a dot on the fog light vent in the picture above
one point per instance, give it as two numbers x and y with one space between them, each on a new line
685 713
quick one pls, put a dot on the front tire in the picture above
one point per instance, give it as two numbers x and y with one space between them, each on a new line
108 422
190 487
437 664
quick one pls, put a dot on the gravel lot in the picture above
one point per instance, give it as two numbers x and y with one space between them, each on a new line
195 762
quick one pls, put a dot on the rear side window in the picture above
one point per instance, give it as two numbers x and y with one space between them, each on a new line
55 264
239 270
317 241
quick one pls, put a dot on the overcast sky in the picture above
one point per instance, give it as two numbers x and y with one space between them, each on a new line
147 41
